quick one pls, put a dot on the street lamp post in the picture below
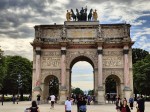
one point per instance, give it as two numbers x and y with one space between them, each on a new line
19 83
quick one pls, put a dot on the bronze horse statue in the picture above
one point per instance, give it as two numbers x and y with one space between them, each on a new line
90 15
73 15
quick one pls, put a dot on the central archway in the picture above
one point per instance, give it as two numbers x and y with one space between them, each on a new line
87 61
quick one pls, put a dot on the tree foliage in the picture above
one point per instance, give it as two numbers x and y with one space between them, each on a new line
77 91
15 65
138 54
141 71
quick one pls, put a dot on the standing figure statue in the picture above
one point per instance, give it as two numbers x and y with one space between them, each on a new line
90 15
95 16
68 16
73 15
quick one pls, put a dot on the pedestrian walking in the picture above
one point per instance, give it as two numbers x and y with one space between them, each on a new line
34 107
125 107
118 104
131 102
83 103
17 99
13 99
68 104
52 97
38 99
2 99
141 104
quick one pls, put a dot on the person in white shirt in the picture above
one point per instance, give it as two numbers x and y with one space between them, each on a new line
52 100
68 103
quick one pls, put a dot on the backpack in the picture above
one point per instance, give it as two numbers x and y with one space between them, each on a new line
34 109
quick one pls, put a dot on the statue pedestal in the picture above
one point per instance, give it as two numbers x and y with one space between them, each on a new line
127 92
100 96
63 95
36 91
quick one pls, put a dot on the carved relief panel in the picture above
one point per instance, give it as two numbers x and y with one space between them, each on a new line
112 59
50 59
81 33
113 32
51 33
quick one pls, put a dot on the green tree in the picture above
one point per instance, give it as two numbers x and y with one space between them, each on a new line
16 65
77 91
138 54
141 71
91 92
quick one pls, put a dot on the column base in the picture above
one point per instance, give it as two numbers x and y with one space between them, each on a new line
101 95
36 91
127 92
63 95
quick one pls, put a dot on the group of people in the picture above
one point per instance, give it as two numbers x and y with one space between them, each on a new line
81 104
82 101
122 105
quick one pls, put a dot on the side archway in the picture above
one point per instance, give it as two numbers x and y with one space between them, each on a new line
112 87
51 86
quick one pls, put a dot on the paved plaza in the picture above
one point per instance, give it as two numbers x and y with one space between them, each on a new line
10 107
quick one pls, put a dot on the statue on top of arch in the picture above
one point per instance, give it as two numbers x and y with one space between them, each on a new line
81 15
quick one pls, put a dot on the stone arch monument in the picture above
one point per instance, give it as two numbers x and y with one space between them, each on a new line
107 47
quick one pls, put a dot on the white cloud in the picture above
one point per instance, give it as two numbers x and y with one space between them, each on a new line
20 47
84 85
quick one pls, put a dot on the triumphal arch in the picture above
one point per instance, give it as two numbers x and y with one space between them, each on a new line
107 47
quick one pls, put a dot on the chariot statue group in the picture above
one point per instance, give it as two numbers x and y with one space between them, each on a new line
82 15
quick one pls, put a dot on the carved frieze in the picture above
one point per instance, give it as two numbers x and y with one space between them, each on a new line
81 33
50 62
112 58
112 61
51 33
113 32
51 53
50 59
112 53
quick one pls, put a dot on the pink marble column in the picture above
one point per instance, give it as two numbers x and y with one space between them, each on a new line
100 67
63 67
38 66
126 67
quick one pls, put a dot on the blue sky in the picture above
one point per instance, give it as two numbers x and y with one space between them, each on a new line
18 17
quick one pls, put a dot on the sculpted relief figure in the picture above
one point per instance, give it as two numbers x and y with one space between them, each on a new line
68 16
95 16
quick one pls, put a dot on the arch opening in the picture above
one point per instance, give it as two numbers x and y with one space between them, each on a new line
112 87
82 74
51 86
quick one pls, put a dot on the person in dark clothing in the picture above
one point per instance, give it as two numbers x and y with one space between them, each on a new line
78 103
34 107
141 104
83 103
124 107
2 99
14 99
38 98
131 101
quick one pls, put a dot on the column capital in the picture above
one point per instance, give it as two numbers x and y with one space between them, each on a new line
125 51
100 51
38 52
63 52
